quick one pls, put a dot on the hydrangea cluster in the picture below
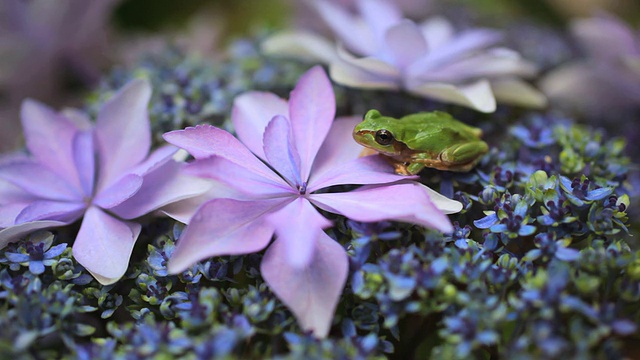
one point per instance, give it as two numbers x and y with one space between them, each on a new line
538 263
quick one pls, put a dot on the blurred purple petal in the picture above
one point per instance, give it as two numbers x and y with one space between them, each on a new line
104 244
518 92
348 74
300 45
123 131
251 113
224 227
312 107
380 15
477 95
297 225
311 293
605 37
38 180
356 35
406 43
160 187
281 151
445 46
121 190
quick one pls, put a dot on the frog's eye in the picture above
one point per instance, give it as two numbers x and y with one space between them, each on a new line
384 137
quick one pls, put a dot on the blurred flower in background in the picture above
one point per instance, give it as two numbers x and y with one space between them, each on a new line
378 48
608 76
46 48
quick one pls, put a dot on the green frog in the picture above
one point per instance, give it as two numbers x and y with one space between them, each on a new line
427 139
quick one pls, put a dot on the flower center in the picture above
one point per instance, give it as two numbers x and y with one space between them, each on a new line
302 189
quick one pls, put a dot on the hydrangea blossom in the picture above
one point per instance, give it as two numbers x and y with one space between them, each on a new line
379 49
100 172
608 77
278 172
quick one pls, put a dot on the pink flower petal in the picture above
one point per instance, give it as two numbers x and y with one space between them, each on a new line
406 43
122 130
84 159
311 293
312 107
204 141
104 245
39 181
297 226
251 113
121 190
280 150
51 210
237 177
401 202
365 170
49 139
224 227
160 187
184 210
14 233
339 146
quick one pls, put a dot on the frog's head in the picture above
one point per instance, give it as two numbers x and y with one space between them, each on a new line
378 132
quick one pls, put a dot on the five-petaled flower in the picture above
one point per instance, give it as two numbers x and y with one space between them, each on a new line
278 173
379 49
99 172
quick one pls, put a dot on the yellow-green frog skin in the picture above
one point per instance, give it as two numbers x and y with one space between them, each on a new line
427 139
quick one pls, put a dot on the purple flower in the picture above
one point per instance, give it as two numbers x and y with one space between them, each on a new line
608 77
99 172
291 153
379 49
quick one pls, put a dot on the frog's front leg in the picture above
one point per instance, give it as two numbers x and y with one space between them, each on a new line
413 168
401 167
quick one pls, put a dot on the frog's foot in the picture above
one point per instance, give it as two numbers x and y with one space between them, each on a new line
414 168
401 168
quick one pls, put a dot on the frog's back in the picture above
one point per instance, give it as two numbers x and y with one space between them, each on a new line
436 128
